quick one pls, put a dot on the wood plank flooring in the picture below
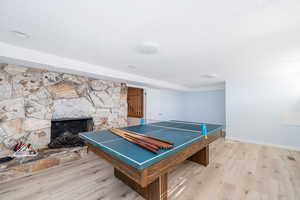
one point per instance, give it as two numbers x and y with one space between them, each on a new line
236 171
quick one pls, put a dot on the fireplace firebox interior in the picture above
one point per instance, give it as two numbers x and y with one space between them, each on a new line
64 132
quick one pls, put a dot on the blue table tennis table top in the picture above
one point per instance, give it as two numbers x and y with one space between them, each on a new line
180 132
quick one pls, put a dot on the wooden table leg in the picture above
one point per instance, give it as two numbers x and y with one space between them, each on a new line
157 190
201 157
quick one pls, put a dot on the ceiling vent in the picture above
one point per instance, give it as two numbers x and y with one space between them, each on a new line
210 76
148 48
20 34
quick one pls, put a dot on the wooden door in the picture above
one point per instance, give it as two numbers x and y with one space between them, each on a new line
135 100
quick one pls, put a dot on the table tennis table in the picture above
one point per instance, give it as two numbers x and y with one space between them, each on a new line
147 172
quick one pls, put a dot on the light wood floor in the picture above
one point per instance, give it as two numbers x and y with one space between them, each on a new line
236 171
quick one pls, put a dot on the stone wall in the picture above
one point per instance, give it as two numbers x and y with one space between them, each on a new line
30 98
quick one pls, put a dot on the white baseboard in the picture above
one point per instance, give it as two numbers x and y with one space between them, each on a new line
264 144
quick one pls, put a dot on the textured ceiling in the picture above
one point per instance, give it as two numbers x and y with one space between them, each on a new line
194 37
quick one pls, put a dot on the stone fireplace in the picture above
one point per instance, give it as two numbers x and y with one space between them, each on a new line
32 100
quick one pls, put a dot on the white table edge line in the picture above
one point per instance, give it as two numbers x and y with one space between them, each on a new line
175 128
195 123
145 160
113 150
152 157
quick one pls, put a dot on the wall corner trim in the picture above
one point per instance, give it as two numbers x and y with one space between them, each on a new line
264 144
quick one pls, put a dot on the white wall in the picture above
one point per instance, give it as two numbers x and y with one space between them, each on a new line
204 106
163 104
257 107
201 106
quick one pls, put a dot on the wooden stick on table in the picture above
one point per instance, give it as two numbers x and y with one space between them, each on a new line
135 141
155 142
151 140
147 146
164 141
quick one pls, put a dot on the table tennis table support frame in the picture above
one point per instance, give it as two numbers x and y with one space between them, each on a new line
201 157
151 182
158 189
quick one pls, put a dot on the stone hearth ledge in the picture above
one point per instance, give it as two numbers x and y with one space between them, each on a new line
46 158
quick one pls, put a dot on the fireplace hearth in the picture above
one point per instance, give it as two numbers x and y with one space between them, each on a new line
64 132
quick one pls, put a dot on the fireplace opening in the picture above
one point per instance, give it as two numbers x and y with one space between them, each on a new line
64 132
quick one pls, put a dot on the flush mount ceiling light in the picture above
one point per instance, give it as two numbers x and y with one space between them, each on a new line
148 48
131 67
210 76
20 34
